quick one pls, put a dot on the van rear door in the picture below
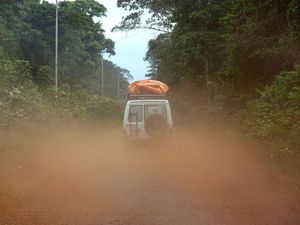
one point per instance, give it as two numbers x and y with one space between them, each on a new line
135 119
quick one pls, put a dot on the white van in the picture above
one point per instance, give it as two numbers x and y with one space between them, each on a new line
146 117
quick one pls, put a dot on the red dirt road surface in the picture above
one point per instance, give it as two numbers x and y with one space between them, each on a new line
92 177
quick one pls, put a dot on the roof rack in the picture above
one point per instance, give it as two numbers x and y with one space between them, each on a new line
145 96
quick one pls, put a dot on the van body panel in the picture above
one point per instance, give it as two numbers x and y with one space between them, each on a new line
135 112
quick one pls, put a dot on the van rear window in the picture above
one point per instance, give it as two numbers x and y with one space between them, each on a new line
155 109
135 113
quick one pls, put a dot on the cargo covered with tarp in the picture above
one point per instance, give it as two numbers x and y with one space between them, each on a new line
147 87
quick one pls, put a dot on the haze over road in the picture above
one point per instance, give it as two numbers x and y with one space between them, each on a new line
92 177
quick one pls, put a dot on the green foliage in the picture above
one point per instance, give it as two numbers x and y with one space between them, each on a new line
19 95
275 115
14 73
27 95
241 42
160 19
77 104
217 53
44 76
196 44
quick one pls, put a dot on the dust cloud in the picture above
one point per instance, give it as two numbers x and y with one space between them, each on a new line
89 175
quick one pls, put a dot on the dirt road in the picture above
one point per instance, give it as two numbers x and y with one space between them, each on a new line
91 177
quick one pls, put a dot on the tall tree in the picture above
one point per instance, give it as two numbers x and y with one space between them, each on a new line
27 31
216 44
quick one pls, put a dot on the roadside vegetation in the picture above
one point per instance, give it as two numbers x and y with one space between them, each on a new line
27 40
29 103
234 62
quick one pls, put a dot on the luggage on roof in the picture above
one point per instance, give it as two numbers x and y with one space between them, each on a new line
148 87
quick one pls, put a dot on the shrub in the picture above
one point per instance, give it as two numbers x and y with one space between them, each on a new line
275 115
23 103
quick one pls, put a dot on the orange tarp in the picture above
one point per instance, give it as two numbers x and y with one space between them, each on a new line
147 87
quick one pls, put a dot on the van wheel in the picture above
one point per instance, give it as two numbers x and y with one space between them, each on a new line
156 125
